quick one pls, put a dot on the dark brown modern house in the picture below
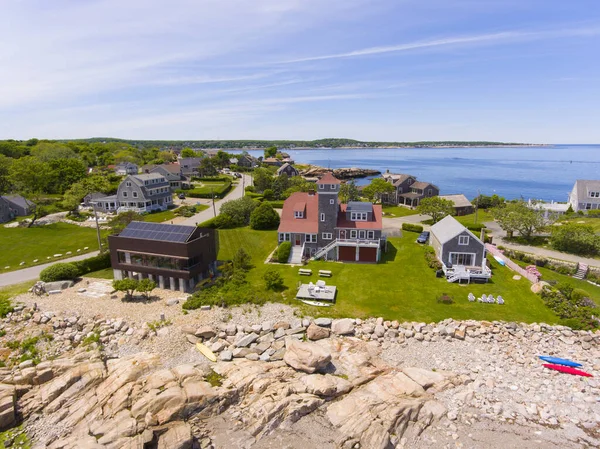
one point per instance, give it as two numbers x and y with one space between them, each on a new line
175 257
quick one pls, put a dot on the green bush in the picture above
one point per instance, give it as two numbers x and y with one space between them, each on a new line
59 272
594 213
264 217
275 204
218 191
412 227
273 280
475 227
96 263
269 195
256 196
250 189
431 258
283 252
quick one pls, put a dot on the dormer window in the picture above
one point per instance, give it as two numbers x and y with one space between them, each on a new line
298 214
358 216
594 194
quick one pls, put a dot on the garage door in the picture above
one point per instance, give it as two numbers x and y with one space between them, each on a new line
368 255
347 253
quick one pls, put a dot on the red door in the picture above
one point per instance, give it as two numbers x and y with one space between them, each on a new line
347 253
367 255
298 240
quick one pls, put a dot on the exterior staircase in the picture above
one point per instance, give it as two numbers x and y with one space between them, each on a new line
296 255
459 276
325 250
582 270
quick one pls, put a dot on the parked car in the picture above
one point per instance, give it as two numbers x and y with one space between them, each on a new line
424 237
181 196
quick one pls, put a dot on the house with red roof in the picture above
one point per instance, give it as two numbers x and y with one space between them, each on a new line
319 226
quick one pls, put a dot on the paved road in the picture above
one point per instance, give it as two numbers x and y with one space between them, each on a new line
237 192
33 273
498 235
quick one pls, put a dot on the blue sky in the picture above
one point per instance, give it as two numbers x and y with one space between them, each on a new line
508 70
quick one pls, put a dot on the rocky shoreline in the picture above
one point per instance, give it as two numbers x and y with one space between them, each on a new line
340 173
296 382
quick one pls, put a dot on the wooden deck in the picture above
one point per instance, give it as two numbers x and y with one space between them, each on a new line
322 295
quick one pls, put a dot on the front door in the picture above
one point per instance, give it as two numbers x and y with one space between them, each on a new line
343 234
297 239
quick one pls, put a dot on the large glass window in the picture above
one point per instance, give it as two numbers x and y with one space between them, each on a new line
462 259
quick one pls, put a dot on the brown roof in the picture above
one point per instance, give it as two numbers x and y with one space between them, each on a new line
459 200
422 185
377 222
328 178
397 178
310 223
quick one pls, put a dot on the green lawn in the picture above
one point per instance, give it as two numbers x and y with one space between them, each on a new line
27 244
398 211
401 287
482 216
107 273
593 222
14 290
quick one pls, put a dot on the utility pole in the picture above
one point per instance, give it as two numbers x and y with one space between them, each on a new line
477 205
213 201
97 226
243 184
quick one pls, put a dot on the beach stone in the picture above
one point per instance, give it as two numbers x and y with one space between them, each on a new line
323 322
345 326
305 356
246 340
315 332
205 332
179 436
226 356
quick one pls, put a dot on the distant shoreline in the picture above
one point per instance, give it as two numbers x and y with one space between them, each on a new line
541 145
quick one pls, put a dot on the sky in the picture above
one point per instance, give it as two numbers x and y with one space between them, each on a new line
380 70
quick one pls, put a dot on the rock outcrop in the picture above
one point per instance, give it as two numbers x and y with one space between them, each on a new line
340 173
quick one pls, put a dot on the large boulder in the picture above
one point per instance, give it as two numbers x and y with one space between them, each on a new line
305 356
344 326
179 436
539 286
57 285
315 332
7 406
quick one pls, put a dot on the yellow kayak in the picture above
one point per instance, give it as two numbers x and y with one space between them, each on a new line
206 352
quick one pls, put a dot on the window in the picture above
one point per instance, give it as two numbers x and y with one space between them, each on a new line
124 194
321 186
134 194
332 186
322 216
594 194
353 234
429 192
128 184
331 201
462 259
358 216
298 214
361 234
310 238
327 235
371 235
463 240
588 206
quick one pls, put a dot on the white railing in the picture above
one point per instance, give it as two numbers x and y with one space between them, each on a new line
358 242
320 253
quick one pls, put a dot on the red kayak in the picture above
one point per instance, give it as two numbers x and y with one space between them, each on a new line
567 369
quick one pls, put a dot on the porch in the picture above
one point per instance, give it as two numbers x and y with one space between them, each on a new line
459 273
410 199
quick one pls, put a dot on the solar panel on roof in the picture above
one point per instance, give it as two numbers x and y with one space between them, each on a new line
158 231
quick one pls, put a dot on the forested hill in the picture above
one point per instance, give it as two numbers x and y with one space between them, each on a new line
321 143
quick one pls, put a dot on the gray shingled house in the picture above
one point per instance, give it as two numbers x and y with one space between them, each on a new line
418 191
139 193
585 195
401 183
19 206
5 212
126 168
288 169
462 254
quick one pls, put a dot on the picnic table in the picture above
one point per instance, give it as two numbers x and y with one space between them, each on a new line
325 273
305 272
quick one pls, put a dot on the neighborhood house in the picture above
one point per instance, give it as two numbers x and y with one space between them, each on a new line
418 191
171 172
462 254
12 206
126 168
288 169
175 257
139 193
401 183
317 225
585 195
462 205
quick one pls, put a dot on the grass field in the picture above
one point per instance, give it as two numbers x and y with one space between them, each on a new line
166 215
593 222
27 244
401 287
482 217
398 211
107 273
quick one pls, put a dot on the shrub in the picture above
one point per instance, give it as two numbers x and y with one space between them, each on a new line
96 263
239 210
445 299
186 211
563 270
242 260
250 189
273 280
575 238
126 285
59 272
412 227
476 227
276 204
221 221
431 258
255 196
541 262
283 252
268 194
145 287
594 213
264 217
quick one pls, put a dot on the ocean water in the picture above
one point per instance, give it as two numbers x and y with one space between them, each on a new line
545 173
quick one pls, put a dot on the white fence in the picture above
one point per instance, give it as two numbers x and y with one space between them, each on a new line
510 264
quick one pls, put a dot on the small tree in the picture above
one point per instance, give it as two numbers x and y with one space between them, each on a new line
127 285
239 210
570 210
264 217
283 252
349 192
188 152
263 179
269 194
377 188
273 280
518 216
121 221
242 260
145 287
575 238
436 207
270 152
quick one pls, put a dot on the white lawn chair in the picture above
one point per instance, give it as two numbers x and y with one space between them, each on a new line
483 298
471 297
491 299
320 283
500 300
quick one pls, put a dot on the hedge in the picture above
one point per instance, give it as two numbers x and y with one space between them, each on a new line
283 252
477 227
213 179
205 192
96 263
275 204
253 195
412 227
59 272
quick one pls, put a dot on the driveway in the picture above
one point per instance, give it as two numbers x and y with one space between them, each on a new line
237 192
33 273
